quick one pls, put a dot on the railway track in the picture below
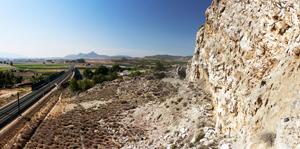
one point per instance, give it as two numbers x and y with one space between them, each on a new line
11 111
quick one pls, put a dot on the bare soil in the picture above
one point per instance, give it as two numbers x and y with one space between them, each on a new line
9 95
131 113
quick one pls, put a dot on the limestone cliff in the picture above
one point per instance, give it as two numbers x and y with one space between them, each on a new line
248 54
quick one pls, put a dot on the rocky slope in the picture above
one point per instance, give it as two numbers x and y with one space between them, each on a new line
248 54
157 110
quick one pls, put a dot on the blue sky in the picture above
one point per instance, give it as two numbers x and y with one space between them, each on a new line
55 28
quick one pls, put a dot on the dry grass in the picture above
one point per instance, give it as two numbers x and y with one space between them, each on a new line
268 138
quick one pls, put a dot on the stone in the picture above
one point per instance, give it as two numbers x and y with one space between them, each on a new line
247 54
225 146
286 119
181 72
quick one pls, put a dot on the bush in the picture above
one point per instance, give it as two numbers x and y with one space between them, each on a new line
85 84
191 144
73 85
88 73
268 138
123 101
150 98
80 60
111 76
98 78
135 74
158 66
115 68
102 70
185 104
27 118
176 133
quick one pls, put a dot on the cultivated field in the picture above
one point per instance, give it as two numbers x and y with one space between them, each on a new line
5 67
141 64
41 66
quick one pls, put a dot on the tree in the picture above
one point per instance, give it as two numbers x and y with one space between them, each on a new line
11 63
2 79
88 73
158 66
19 79
98 78
40 77
116 68
111 76
80 60
85 84
73 85
135 74
9 76
101 70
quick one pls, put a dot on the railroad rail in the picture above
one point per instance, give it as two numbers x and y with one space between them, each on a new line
11 111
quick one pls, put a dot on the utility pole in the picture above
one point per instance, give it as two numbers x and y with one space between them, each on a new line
79 117
19 103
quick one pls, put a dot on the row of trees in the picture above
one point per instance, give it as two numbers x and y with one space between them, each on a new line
4 62
102 70
101 74
8 78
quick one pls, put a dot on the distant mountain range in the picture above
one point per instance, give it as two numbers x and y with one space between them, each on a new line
91 55
10 55
168 56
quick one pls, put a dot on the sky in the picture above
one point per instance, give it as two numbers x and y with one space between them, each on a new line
56 28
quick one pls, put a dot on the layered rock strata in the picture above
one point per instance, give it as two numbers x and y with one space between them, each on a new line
248 54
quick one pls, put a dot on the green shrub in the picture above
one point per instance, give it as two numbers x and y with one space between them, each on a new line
173 147
98 78
27 118
185 104
135 74
111 76
176 133
115 68
158 66
88 73
235 139
150 98
191 144
123 101
73 85
102 70
85 84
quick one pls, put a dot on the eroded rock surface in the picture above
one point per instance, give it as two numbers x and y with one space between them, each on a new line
247 53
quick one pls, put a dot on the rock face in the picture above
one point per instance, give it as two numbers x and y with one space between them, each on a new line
248 54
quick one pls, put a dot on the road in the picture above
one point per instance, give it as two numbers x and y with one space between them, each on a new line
10 112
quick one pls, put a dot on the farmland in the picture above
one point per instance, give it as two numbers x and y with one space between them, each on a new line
4 67
41 66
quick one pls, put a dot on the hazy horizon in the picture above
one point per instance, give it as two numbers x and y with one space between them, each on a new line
41 29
